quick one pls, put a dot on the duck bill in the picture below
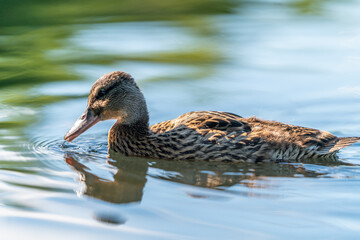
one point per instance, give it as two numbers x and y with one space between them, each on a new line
86 121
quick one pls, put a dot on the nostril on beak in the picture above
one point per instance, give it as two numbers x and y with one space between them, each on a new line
83 116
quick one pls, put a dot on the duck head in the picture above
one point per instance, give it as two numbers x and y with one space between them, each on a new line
113 96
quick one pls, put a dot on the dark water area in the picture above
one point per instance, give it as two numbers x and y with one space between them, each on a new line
291 61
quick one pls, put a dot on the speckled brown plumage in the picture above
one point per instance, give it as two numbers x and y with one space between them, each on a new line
201 135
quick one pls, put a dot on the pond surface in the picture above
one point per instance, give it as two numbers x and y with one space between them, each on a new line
291 61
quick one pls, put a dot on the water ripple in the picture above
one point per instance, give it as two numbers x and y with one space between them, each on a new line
51 151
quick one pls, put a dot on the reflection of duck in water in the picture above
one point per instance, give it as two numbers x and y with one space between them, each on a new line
222 176
130 177
205 135
127 186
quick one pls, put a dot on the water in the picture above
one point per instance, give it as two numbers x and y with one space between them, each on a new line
291 61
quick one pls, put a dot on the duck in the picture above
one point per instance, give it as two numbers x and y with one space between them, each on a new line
199 135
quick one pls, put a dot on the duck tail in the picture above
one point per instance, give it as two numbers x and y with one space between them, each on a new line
344 142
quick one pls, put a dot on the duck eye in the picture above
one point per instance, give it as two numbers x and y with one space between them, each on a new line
101 93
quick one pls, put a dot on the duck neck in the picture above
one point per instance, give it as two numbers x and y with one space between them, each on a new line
123 137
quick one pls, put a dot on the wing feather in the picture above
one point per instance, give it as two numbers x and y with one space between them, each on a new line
204 120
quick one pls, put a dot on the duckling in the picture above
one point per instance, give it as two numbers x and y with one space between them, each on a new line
199 135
